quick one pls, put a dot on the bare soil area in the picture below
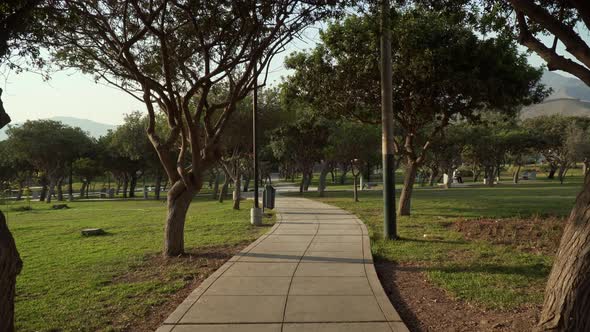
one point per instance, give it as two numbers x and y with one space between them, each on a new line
535 235
195 267
425 307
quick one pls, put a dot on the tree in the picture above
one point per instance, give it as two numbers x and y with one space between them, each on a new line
16 23
565 307
300 144
447 155
49 146
87 169
561 138
353 144
434 56
171 55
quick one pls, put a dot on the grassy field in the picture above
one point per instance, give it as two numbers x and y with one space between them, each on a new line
490 275
75 283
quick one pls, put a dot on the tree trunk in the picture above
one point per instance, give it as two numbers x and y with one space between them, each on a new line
302 183
405 198
215 194
83 189
566 304
355 188
322 180
51 191
490 172
476 174
223 191
19 193
433 175
237 191
562 172
158 187
43 193
179 200
125 185
516 174
585 167
308 181
10 267
132 185
246 183
60 193
88 189
70 185
552 170
449 181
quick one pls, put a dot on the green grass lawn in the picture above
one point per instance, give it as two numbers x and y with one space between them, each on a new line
75 283
490 275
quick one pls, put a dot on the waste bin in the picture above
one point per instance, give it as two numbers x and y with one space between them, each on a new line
268 197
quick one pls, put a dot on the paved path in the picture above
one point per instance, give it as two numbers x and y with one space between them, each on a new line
312 271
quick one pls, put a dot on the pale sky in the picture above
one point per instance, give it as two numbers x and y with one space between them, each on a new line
27 97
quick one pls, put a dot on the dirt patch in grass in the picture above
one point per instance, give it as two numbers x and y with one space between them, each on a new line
425 307
534 235
192 268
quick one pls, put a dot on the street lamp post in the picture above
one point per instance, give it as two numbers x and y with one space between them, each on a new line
389 222
255 213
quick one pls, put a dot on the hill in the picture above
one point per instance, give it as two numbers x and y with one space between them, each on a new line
570 97
93 128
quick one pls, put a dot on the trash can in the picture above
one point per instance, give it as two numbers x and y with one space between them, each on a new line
268 197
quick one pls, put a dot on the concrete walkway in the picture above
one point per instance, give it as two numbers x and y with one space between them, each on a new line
312 271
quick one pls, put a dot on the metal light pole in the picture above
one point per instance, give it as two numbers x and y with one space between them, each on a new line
255 213
389 222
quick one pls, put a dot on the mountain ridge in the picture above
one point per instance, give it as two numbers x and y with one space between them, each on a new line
570 97
93 128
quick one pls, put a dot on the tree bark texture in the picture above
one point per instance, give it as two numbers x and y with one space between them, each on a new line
125 185
83 189
246 183
490 176
562 173
51 192
43 193
223 191
132 185
158 186
179 200
433 175
325 169
60 193
307 182
237 191
355 188
215 194
516 174
552 170
10 267
567 296
405 199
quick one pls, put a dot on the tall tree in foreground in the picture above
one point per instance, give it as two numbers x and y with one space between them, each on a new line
565 22
171 55
16 20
